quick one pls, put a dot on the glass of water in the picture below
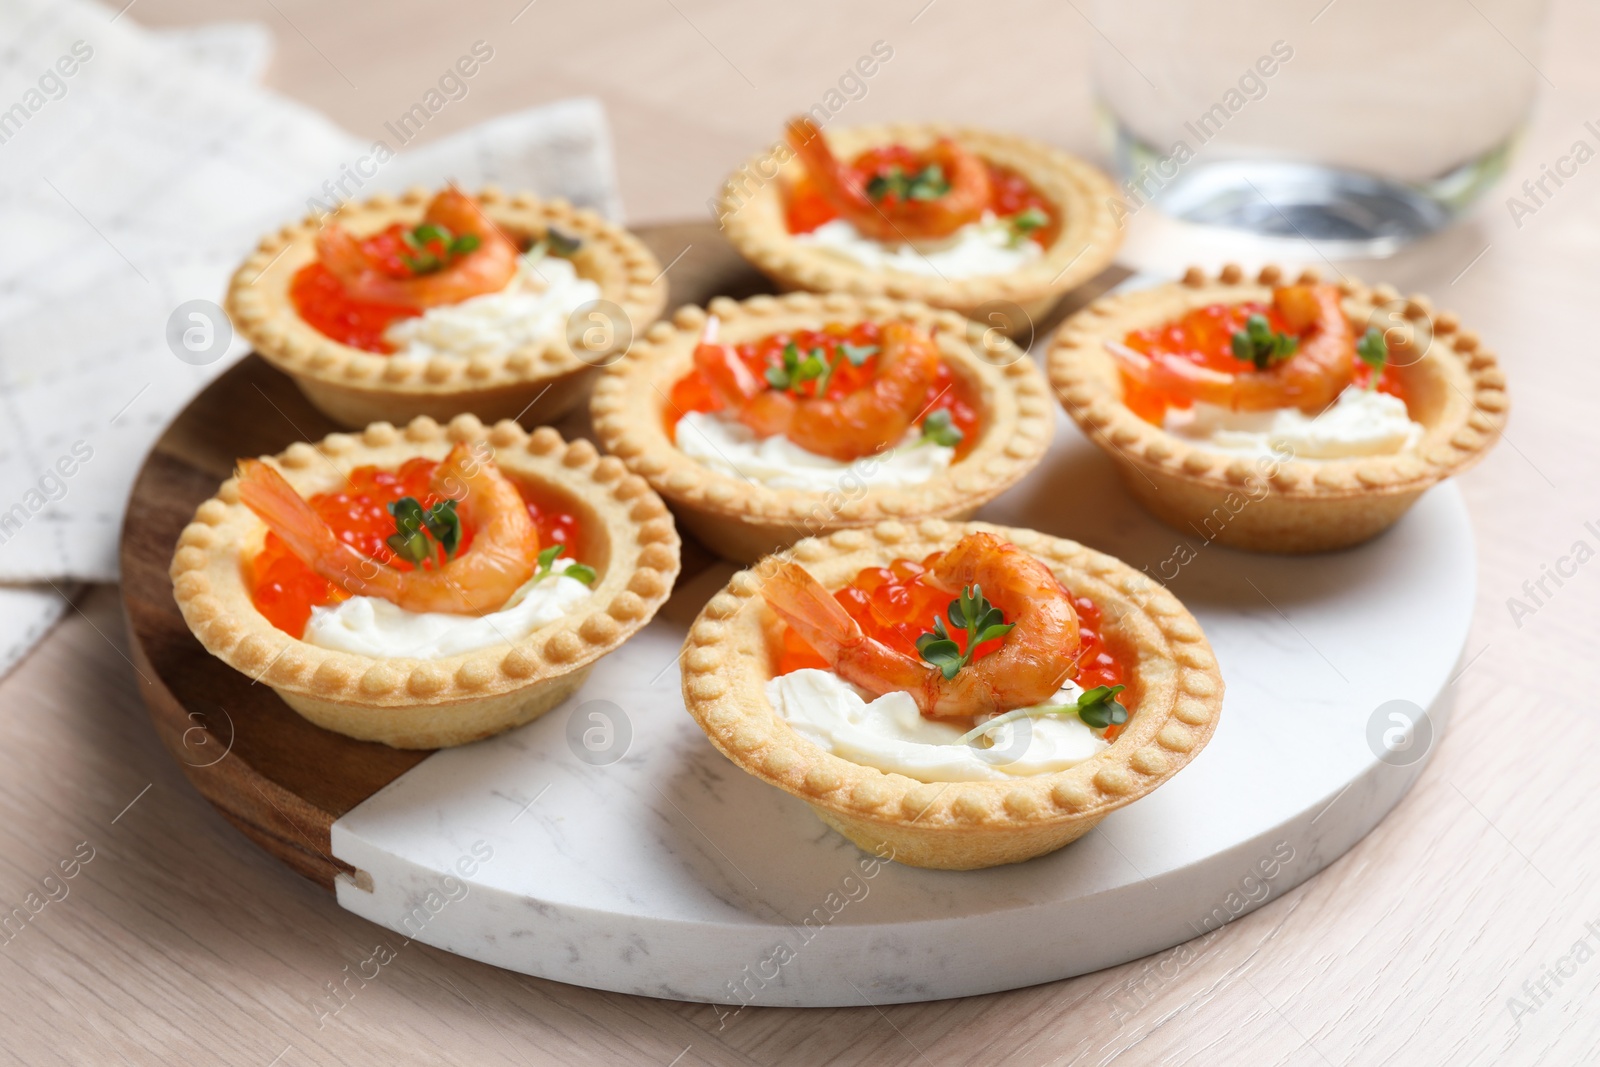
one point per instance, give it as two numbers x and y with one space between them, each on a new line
1357 125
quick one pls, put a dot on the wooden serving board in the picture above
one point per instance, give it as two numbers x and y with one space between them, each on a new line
282 781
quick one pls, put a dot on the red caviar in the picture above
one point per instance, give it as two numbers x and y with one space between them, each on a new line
285 590
949 391
1204 336
1011 193
896 605
320 297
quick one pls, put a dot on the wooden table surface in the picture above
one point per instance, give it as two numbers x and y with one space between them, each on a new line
1465 929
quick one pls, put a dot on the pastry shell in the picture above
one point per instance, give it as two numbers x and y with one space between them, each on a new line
1455 389
534 384
743 520
1175 687
432 703
751 211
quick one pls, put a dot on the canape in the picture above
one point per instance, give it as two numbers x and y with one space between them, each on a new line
425 586
954 695
440 304
1278 417
768 420
989 224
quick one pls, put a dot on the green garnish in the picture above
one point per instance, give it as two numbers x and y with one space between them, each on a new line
562 244
1374 352
857 354
929 183
815 365
547 565
1260 344
938 429
1025 222
972 612
1097 707
796 369
420 532
435 246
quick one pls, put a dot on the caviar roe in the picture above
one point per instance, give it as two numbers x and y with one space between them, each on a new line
285 590
1010 192
1204 337
320 297
897 604
949 392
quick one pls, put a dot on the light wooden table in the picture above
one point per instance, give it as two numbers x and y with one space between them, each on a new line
179 942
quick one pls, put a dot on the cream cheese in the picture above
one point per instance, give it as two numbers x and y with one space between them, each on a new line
731 447
1362 422
371 626
889 733
533 307
985 247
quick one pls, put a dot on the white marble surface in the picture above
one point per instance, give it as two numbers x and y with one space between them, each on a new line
671 873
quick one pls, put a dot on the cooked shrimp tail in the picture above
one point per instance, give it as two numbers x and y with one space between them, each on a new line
802 602
502 556
1310 379
877 416
967 192
286 513
1035 658
487 268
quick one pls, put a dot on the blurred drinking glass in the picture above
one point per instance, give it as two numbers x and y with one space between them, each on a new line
1358 125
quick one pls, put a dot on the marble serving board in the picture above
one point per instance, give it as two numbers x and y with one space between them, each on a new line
609 845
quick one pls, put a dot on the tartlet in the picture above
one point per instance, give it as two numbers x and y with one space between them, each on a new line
751 211
413 703
1175 688
534 384
743 520
1455 390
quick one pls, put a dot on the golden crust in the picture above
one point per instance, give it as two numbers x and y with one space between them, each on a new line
1456 390
412 703
751 208
743 520
1175 682
355 387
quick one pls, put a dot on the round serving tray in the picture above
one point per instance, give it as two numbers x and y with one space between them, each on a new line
609 845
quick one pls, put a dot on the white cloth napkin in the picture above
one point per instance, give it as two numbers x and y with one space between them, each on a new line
137 168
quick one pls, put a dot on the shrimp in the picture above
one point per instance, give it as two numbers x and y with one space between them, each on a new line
860 424
503 554
486 269
1310 379
902 219
1036 657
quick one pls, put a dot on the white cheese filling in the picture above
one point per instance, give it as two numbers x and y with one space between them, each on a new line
889 733
986 247
1362 422
731 447
371 626
533 307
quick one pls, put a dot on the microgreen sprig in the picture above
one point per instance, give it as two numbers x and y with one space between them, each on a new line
815 365
1097 707
421 239
1374 352
929 183
939 430
1260 344
562 244
972 612
547 565
420 532
1024 222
